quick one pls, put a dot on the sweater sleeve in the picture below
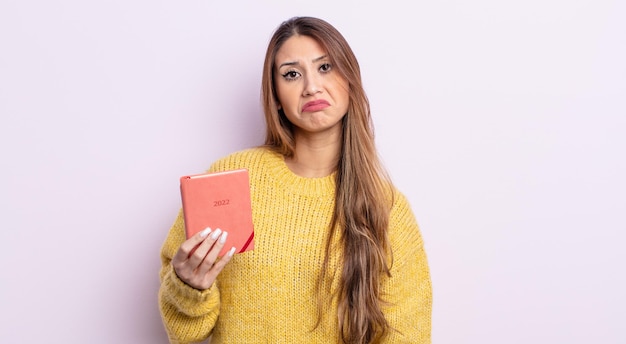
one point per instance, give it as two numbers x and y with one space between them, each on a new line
408 292
187 313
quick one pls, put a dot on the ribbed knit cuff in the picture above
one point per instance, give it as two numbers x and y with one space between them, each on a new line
187 300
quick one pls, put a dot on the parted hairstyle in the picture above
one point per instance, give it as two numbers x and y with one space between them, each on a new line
363 194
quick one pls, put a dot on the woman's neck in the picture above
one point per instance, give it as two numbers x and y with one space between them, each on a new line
315 155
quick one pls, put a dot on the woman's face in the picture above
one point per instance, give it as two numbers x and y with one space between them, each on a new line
310 91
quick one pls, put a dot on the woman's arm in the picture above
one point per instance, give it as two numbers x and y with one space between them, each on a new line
408 291
188 314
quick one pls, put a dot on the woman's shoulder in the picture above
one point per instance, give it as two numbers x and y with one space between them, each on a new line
400 206
250 158
403 224
399 198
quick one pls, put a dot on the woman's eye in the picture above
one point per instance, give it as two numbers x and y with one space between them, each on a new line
325 68
291 75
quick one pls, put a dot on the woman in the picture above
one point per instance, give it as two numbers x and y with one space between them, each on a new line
338 256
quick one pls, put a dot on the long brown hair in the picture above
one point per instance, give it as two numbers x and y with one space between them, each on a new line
362 197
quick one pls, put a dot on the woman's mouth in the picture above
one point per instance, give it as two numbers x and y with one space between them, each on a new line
315 105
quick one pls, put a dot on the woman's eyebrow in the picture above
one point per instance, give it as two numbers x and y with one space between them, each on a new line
320 58
295 63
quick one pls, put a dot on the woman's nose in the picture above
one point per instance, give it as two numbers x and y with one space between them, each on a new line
312 85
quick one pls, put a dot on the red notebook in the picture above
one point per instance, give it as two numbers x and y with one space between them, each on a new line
219 200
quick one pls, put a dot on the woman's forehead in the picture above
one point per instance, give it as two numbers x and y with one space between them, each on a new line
299 48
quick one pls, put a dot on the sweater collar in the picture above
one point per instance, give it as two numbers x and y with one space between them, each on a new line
318 187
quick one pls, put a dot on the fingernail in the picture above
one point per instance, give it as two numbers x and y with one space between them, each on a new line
205 232
231 251
216 234
223 237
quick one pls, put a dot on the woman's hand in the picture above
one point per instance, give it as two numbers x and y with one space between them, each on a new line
199 268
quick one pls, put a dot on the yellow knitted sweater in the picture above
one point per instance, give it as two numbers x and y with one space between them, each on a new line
268 295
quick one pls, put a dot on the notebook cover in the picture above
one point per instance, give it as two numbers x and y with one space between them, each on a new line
219 200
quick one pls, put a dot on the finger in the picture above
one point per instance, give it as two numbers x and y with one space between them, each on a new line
215 270
212 255
207 278
198 257
187 247
221 263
